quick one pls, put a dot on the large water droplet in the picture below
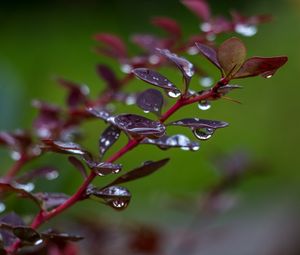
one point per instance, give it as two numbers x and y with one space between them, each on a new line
126 68
206 81
204 105
51 175
203 133
205 27
192 50
174 93
154 59
130 100
15 155
245 29
2 207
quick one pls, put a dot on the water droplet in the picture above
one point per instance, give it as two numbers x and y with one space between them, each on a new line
178 140
15 155
206 81
27 187
118 204
174 93
146 111
2 207
126 68
43 132
154 59
269 76
38 242
195 147
211 37
204 105
245 29
205 27
130 100
192 50
203 133
51 175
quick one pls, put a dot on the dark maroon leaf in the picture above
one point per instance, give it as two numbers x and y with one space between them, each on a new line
166 142
231 55
199 7
266 67
77 93
19 189
114 46
54 235
186 67
104 168
51 200
139 126
169 25
27 234
115 196
155 79
107 74
209 53
64 147
99 113
199 123
146 169
110 135
151 100
78 165
47 172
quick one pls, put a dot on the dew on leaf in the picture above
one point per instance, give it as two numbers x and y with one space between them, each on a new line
204 105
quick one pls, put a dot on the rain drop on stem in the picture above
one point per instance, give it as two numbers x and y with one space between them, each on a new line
174 94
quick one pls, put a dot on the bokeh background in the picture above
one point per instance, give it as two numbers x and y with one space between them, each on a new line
40 40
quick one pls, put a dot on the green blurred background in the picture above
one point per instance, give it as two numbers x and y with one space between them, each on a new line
49 38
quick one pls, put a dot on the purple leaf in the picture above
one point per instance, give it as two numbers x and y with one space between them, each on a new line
78 165
209 53
136 125
199 123
104 168
231 55
77 93
57 236
115 196
110 135
169 25
266 67
146 169
179 140
26 234
51 200
151 100
155 79
7 222
64 147
186 67
99 113
107 74
147 42
199 7
47 172
114 46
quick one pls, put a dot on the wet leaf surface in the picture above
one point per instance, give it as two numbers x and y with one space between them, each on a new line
150 100
110 135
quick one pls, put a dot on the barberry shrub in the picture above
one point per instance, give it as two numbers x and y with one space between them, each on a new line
57 129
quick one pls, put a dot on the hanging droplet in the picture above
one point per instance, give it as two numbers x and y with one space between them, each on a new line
206 81
146 111
195 147
203 133
204 105
179 140
126 68
269 76
51 175
174 93
2 207
245 29
119 204
15 155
